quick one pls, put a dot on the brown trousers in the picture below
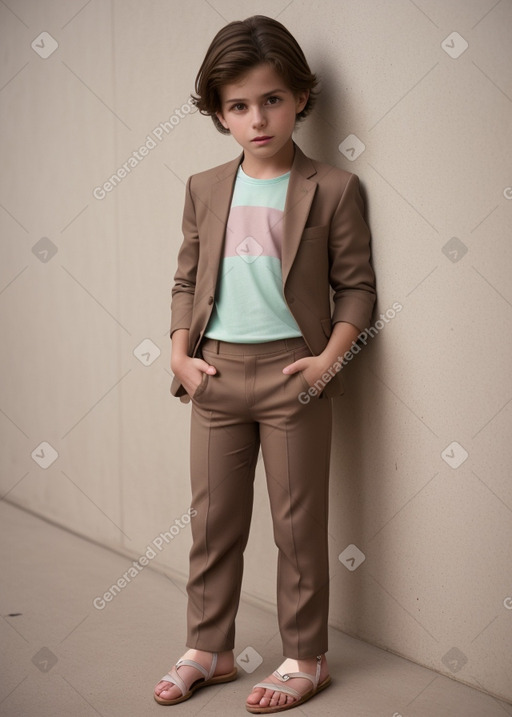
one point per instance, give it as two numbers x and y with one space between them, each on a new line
248 403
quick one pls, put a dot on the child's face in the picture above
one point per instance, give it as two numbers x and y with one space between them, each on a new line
260 112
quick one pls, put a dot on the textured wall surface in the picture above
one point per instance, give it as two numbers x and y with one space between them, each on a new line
97 142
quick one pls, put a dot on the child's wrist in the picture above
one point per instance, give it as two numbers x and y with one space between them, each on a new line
177 361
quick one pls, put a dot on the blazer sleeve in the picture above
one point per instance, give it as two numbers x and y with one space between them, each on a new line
351 275
184 287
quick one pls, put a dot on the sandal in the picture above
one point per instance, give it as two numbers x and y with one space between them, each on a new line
316 687
186 692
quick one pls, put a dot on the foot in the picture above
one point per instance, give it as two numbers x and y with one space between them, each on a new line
225 663
269 699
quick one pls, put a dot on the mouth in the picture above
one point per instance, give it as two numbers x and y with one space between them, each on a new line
262 139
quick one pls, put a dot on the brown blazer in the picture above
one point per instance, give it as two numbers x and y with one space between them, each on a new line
327 276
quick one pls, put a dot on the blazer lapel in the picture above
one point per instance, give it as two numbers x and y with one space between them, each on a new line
301 190
220 202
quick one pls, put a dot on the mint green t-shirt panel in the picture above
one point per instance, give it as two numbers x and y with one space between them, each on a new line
260 313
251 192
249 303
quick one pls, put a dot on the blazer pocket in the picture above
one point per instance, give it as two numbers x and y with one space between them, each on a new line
311 233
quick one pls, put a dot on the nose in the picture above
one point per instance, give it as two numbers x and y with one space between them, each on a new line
258 117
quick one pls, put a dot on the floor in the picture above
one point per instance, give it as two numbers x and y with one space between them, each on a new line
63 656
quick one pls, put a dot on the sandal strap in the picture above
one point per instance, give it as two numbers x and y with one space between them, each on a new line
175 679
284 676
279 688
291 675
195 665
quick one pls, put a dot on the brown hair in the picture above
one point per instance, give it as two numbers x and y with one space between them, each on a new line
240 46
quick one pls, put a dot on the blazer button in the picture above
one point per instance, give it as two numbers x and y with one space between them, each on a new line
210 300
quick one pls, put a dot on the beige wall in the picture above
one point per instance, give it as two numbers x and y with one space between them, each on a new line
435 583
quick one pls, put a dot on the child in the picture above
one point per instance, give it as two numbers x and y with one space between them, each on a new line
257 348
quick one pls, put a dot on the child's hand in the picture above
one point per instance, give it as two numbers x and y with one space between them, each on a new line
189 372
312 368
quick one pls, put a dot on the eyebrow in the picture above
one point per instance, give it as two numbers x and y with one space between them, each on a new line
243 99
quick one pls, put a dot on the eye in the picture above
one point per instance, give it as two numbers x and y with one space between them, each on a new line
273 100
238 107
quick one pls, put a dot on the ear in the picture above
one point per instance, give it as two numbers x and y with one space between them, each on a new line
221 119
301 99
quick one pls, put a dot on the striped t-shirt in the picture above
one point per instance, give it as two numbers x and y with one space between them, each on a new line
249 303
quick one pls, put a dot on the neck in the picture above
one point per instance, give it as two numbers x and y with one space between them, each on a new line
273 166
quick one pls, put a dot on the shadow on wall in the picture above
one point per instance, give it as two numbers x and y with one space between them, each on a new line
353 482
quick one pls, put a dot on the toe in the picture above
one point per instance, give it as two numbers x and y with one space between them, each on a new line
166 691
286 699
269 698
277 699
255 696
266 698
